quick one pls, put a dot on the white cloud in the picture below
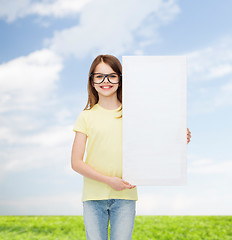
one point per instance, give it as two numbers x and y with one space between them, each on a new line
12 10
208 99
207 191
34 143
208 166
219 70
224 95
212 62
28 103
32 157
110 26
195 202
53 136
56 204
58 8
209 203
27 80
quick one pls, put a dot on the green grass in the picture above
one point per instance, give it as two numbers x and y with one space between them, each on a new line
145 228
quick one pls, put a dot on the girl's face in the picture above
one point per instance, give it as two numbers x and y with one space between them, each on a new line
105 69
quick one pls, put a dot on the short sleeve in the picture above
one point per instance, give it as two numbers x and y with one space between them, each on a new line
81 124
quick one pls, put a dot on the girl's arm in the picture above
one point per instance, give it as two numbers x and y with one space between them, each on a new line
78 165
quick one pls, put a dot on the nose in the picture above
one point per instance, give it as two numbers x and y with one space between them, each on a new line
106 80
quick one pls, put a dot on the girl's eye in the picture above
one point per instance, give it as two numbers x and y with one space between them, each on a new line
99 76
112 76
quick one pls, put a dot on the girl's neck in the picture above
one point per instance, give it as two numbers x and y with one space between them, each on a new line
109 103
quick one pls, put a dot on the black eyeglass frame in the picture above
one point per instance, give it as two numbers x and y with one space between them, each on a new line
106 75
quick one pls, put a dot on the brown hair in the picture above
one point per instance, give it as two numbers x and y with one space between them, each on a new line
115 64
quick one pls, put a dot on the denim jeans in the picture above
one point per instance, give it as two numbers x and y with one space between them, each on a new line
120 212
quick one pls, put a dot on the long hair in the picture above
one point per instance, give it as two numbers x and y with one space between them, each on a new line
115 64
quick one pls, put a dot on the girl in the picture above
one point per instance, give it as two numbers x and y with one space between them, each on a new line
105 194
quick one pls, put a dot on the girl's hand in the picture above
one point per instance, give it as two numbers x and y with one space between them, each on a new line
119 184
188 135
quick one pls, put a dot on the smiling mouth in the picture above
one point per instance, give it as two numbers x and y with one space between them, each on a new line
106 87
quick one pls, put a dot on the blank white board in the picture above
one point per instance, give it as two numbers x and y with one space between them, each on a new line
154 120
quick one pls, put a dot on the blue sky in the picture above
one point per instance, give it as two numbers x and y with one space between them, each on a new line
46 49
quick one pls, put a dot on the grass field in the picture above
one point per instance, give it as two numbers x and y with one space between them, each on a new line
146 227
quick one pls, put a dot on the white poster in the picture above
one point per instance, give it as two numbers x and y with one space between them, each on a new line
154 120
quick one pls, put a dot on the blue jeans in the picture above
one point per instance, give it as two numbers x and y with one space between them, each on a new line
120 212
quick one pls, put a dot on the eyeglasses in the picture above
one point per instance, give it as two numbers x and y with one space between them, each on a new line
100 77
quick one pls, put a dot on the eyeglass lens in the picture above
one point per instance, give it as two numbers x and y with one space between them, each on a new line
113 78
